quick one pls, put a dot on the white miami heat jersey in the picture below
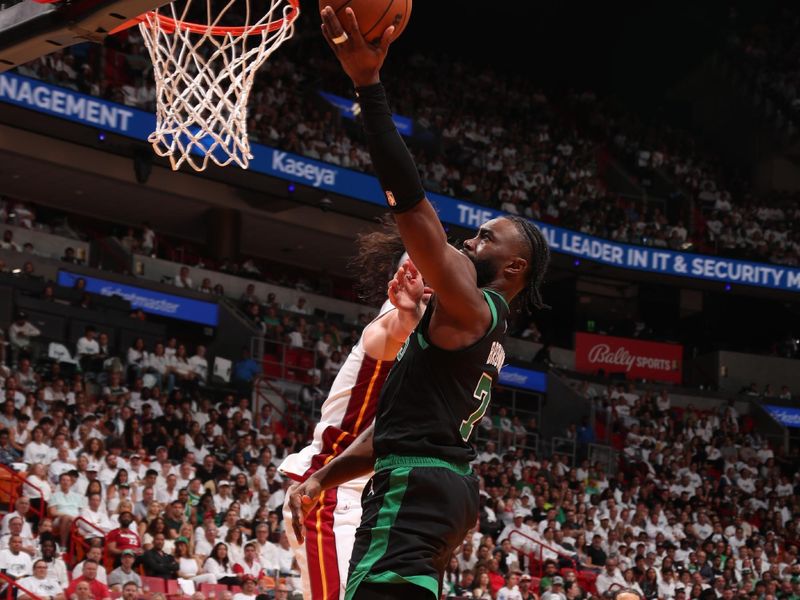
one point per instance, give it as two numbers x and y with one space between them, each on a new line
348 410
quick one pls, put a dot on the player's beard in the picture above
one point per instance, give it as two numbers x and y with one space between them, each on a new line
485 270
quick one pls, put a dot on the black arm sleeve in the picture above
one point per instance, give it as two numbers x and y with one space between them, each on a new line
391 159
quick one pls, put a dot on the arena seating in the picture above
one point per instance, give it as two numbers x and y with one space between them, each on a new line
543 162
692 500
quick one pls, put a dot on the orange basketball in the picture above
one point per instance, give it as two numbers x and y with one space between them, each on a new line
374 16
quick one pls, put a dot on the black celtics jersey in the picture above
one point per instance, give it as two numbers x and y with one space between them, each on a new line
433 398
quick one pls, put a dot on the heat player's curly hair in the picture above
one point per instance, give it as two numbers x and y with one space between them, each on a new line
531 297
376 261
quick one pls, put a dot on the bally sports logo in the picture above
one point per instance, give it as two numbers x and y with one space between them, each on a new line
636 358
603 354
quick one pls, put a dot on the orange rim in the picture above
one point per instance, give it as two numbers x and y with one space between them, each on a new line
168 24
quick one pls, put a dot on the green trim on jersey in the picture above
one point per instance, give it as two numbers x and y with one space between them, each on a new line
492 309
423 343
425 581
499 295
387 515
391 461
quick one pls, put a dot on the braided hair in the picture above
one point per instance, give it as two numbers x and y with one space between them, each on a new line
539 260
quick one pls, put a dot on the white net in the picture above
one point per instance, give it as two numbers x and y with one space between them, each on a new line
204 73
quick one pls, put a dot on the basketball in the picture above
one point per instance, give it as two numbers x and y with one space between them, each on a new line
374 16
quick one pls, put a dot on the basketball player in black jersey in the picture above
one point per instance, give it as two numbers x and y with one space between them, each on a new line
423 498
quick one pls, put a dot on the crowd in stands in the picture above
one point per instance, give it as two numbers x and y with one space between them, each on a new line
23 215
729 218
700 508
490 138
765 50
134 471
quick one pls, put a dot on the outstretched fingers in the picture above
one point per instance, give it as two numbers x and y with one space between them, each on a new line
386 39
332 28
297 516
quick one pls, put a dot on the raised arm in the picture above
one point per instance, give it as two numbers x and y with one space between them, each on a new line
444 268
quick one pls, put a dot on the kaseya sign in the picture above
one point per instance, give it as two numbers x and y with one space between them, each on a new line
637 359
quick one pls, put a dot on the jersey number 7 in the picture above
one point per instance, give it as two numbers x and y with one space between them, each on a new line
483 394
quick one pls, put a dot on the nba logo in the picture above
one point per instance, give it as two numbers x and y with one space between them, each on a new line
390 198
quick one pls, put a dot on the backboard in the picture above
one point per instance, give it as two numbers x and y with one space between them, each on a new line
31 28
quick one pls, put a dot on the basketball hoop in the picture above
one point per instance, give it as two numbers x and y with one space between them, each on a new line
204 74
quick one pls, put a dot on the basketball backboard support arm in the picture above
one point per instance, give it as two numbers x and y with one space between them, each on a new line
31 29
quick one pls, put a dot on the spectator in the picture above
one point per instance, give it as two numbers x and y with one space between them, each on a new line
8 242
15 563
218 564
525 592
98 590
41 584
56 567
21 507
189 566
556 591
148 242
199 365
182 279
123 539
300 307
87 349
8 454
69 256
15 531
610 576
93 554
311 394
510 591
65 506
158 563
249 565
21 335
248 589
205 286
124 573
249 296
131 591
245 371
333 365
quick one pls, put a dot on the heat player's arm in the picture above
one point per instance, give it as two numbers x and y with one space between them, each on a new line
444 268
357 460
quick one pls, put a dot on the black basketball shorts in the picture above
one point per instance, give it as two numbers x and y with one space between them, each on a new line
416 512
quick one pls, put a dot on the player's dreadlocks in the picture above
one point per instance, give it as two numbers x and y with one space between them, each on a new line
531 298
376 261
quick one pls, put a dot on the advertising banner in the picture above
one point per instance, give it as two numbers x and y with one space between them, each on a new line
637 359
150 301
349 109
137 124
785 415
524 379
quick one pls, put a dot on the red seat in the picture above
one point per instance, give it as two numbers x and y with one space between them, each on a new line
307 359
586 579
292 357
212 589
271 369
173 589
155 585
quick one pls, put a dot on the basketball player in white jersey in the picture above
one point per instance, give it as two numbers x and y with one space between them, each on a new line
324 555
